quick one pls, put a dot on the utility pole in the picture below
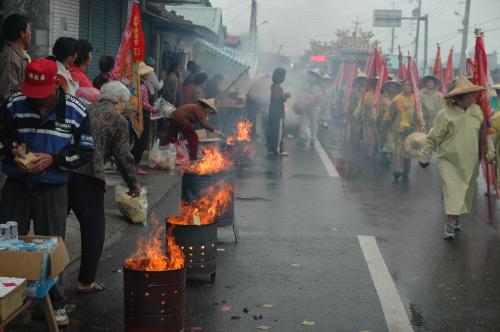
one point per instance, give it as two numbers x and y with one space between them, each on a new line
426 43
356 26
464 37
253 28
393 31
415 56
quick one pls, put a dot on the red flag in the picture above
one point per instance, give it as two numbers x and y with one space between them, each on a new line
481 78
448 77
130 53
403 71
469 65
377 59
438 70
413 75
370 66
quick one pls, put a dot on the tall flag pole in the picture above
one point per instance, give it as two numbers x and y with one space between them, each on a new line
438 70
448 77
481 77
130 55
403 72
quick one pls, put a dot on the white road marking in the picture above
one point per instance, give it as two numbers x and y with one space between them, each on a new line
330 169
392 306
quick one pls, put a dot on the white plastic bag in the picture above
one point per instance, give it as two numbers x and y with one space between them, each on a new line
162 157
165 109
134 209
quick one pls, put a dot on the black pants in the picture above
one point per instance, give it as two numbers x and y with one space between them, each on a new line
46 205
140 143
86 199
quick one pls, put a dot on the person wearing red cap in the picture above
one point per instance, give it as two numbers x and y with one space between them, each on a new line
43 133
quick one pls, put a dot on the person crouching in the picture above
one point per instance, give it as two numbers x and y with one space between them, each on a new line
183 119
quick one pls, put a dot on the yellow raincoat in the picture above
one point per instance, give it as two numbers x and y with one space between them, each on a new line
455 135
432 102
495 124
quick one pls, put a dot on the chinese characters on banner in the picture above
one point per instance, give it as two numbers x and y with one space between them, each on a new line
130 54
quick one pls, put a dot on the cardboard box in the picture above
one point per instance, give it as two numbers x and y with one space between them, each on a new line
28 265
12 295
207 136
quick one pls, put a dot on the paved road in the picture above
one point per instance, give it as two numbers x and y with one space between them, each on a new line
301 251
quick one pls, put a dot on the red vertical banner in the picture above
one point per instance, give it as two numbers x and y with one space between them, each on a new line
402 72
469 66
448 77
126 69
370 66
413 75
438 70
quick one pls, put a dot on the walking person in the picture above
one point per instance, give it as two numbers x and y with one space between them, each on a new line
172 90
366 117
431 98
257 98
13 56
310 109
198 90
455 136
276 123
390 89
54 127
403 120
183 120
151 80
87 184
355 100
188 83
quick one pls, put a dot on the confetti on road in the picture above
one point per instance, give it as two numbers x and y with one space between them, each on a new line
225 308
264 327
308 323
267 305
295 265
221 249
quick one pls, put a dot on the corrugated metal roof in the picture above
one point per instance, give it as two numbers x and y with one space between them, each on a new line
208 17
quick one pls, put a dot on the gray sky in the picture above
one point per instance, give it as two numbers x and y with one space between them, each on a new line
295 22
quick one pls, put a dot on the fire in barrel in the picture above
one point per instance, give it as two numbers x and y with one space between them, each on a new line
196 231
154 282
200 175
239 145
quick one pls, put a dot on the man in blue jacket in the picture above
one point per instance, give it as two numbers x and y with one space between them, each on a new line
43 133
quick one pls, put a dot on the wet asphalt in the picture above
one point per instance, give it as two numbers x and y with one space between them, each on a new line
299 252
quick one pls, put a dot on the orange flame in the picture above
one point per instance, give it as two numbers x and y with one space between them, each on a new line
150 252
243 132
212 162
214 203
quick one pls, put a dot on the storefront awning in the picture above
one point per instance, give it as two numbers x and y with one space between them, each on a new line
235 59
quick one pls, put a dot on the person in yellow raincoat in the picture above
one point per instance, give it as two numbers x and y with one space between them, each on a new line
365 115
355 101
403 120
431 98
325 116
455 135
390 89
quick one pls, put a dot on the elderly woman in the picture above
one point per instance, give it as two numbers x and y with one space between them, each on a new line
87 185
455 135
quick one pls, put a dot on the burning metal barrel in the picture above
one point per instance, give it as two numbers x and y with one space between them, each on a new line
193 186
199 245
154 279
154 300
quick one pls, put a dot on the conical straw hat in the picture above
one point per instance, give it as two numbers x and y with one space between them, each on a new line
209 102
414 143
463 87
145 69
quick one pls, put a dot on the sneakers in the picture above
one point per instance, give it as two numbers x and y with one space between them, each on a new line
61 317
449 232
283 153
456 224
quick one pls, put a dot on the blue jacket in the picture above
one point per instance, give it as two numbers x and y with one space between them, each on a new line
64 133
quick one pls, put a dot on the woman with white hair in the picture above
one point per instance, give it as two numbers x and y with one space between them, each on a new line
87 184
